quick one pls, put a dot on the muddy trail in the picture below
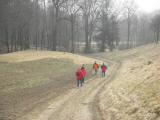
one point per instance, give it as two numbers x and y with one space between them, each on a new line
76 104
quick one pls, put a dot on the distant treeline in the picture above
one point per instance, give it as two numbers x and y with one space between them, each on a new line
64 24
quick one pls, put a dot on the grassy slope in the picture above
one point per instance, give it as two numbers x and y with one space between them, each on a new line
29 78
31 55
135 92
32 73
122 55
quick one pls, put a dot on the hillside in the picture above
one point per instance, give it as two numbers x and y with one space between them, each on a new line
31 55
40 85
30 79
135 92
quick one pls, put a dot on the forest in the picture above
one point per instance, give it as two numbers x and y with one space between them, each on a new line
75 25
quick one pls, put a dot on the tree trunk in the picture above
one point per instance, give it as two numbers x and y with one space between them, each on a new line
78 37
86 34
12 40
7 39
157 39
72 33
128 31
36 41
42 38
55 30
90 40
103 42
15 42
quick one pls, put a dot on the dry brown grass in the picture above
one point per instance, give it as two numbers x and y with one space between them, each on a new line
31 55
135 92
30 79
131 53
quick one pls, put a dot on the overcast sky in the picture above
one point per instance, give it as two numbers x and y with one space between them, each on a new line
148 5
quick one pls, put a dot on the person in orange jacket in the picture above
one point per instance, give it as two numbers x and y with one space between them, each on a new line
95 68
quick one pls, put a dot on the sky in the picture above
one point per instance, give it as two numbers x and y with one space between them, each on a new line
148 5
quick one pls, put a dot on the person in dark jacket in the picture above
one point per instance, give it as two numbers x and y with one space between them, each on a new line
103 68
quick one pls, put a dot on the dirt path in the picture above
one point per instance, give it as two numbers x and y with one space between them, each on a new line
77 104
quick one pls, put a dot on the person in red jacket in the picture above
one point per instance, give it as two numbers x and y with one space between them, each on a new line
84 73
103 68
79 76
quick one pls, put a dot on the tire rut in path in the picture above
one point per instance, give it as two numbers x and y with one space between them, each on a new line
75 105
78 106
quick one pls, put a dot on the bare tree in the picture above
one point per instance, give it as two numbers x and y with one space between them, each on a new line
72 10
129 11
50 24
57 4
16 17
90 10
156 27
108 30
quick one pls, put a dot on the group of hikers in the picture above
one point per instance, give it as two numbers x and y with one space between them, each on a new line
81 72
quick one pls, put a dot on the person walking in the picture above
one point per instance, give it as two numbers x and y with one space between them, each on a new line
79 76
83 72
103 68
95 68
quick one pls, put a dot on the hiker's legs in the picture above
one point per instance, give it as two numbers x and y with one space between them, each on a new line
103 74
81 82
78 83
95 71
